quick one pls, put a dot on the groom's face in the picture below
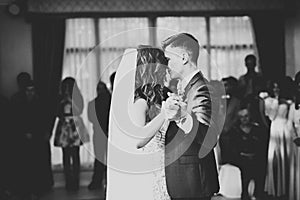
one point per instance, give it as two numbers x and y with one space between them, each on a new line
175 64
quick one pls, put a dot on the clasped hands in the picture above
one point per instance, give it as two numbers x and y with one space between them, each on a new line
174 108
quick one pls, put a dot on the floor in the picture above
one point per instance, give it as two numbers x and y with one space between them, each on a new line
85 194
82 194
59 192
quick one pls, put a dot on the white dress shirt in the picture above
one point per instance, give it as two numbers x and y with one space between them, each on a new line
186 123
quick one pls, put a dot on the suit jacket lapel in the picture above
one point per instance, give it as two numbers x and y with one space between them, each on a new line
195 78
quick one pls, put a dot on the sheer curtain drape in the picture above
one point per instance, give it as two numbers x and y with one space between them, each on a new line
231 40
89 62
115 35
80 63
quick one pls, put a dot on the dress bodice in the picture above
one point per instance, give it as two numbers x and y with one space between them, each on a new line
154 95
282 111
271 106
274 110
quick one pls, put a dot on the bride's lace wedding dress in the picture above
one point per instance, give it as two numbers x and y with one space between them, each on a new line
157 144
132 173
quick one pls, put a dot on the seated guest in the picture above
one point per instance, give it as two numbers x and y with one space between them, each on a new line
246 146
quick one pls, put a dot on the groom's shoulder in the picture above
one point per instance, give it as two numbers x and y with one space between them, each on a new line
201 87
200 80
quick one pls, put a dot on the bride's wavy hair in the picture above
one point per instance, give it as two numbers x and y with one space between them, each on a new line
151 67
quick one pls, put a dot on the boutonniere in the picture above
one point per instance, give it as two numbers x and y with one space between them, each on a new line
227 96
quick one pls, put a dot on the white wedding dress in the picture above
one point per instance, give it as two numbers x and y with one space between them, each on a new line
133 174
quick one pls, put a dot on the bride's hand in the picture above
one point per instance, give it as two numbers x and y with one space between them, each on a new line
173 101
178 104
170 108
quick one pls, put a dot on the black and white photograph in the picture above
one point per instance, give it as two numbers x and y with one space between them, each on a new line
150 99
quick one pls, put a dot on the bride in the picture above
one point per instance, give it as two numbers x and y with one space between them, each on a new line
138 124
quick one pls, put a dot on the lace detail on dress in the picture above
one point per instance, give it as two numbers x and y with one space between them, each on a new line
157 144
154 95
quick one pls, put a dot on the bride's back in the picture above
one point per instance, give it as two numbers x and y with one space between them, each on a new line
151 67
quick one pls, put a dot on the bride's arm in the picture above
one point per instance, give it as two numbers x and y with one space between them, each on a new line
138 116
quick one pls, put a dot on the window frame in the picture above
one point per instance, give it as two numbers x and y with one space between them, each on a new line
152 22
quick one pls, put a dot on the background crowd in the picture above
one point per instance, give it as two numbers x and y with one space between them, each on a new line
260 136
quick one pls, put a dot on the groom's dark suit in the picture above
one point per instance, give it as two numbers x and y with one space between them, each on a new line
190 176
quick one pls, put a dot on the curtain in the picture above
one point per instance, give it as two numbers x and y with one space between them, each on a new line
80 63
231 41
115 35
93 50
48 35
269 35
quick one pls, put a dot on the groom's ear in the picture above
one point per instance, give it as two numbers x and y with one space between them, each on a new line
185 58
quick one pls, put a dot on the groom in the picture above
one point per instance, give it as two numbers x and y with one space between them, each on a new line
191 171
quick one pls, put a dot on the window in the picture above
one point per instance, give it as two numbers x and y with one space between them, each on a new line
225 41
120 30
231 41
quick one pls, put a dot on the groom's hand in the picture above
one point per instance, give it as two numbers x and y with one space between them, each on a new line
182 111
183 120
172 108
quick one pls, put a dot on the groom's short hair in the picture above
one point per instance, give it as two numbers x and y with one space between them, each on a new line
185 41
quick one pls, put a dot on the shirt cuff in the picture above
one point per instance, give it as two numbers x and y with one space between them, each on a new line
186 123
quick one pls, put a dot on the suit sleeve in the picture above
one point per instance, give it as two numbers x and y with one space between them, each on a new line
201 109
201 104
203 112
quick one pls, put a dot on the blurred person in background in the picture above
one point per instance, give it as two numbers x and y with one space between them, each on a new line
246 146
230 109
256 106
34 177
98 115
276 108
246 80
23 79
70 132
294 128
